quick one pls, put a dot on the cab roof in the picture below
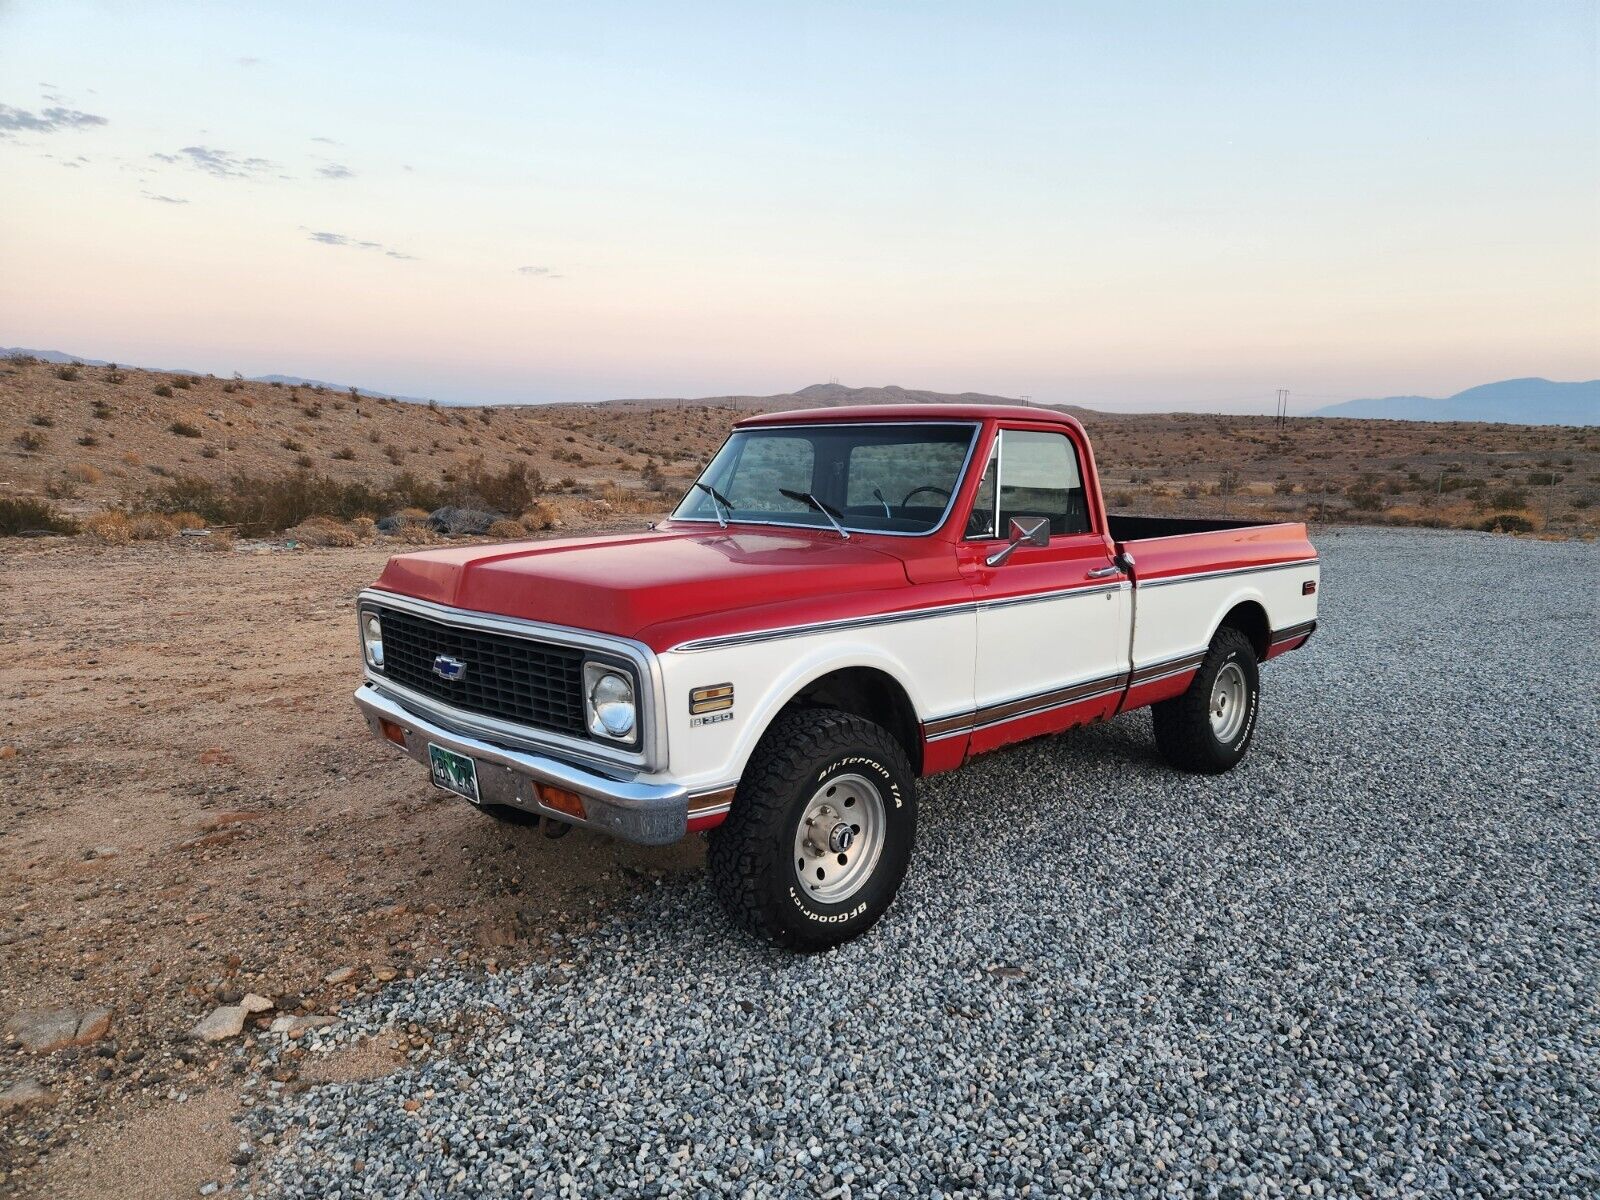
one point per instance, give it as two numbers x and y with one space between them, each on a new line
910 412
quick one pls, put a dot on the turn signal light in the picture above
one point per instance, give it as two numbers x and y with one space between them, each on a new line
711 699
562 801
393 732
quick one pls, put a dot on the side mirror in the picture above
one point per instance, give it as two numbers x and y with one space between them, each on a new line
1035 531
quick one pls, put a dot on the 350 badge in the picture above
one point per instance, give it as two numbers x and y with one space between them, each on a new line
711 719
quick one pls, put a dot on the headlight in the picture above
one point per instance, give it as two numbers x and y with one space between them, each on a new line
372 639
608 702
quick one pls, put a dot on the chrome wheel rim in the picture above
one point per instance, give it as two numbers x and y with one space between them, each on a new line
1228 703
840 838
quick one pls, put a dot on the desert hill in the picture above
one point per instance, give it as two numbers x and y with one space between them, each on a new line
1520 401
87 438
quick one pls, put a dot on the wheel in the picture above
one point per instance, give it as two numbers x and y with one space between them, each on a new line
1208 728
820 832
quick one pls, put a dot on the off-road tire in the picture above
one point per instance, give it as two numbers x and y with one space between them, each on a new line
1183 726
750 858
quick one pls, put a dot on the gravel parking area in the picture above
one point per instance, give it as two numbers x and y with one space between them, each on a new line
1366 963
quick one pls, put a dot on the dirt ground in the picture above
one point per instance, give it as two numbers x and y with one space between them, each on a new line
191 810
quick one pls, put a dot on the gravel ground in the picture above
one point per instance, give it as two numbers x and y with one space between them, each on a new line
1366 963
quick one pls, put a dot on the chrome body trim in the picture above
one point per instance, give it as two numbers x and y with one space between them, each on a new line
652 814
1195 576
652 754
966 464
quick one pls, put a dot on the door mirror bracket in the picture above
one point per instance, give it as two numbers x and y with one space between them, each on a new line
1035 531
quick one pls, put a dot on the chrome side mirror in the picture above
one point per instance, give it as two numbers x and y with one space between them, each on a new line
1032 532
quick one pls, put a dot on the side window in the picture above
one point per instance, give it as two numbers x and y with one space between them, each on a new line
981 523
1039 477
770 463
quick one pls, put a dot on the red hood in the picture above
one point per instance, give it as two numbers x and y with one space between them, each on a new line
626 584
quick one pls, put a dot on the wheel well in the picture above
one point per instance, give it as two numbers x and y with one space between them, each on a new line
870 693
1250 619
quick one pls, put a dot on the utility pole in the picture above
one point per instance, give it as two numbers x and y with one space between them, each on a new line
1282 408
1027 400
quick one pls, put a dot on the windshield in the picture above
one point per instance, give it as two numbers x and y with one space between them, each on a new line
875 478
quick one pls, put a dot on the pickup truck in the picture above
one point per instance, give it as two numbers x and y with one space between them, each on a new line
845 601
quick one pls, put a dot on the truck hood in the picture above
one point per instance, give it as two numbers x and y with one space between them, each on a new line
626 585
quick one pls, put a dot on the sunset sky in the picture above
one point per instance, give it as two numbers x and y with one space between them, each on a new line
1125 205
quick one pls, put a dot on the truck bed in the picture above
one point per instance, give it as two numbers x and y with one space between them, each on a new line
1133 529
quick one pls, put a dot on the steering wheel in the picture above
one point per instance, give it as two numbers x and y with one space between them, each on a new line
927 487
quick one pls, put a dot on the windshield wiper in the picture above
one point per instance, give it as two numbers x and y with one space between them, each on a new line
718 502
826 510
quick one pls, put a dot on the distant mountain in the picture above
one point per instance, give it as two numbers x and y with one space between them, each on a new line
56 356
1511 401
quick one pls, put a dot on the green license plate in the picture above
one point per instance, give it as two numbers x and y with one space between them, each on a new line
453 772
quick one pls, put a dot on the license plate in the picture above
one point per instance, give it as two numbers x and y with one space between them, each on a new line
453 772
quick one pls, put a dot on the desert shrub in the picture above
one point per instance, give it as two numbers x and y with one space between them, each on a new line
541 516
209 452
185 429
344 454
292 444
24 514
1284 487
88 439
1543 478
108 527
507 529
1508 498
83 473
163 389
1507 523
304 461
102 411
60 487
1362 500
114 376
188 520
218 539
184 382
323 531
365 528
67 373
150 527
652 476
1122 499
132 459
44 420
32 439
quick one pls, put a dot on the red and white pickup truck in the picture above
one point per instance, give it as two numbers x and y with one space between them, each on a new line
848 599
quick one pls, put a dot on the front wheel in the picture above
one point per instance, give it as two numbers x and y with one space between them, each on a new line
820 832
1208 728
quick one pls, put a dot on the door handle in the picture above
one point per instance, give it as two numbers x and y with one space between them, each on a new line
1104 572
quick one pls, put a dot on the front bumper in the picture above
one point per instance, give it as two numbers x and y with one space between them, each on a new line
652 814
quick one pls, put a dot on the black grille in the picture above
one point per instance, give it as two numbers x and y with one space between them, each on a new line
509 678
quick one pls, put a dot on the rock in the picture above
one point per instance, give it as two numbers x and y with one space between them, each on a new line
8 752
384 974
104 852
224 1021
451 519
24 1092
341 975
253 1003
294 1026
44 1032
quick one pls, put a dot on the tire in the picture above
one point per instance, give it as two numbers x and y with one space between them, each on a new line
770 869
1195 734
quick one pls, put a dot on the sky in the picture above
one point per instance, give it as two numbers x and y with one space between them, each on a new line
1125 205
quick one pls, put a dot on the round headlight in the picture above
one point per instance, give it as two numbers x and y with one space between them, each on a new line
611 708
372 639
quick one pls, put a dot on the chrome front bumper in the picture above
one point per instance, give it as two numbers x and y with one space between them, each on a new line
652 814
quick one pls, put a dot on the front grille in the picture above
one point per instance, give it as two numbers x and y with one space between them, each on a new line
509 678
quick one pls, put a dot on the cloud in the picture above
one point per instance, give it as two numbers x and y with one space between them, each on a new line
221 164
47 120
539 273
336 171
163 199
325 238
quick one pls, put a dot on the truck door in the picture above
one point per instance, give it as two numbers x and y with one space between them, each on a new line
1053 620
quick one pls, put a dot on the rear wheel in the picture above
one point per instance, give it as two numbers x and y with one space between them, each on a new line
1208 728
820 832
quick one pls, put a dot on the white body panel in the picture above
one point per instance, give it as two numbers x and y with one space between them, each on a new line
1173 618
1029 648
